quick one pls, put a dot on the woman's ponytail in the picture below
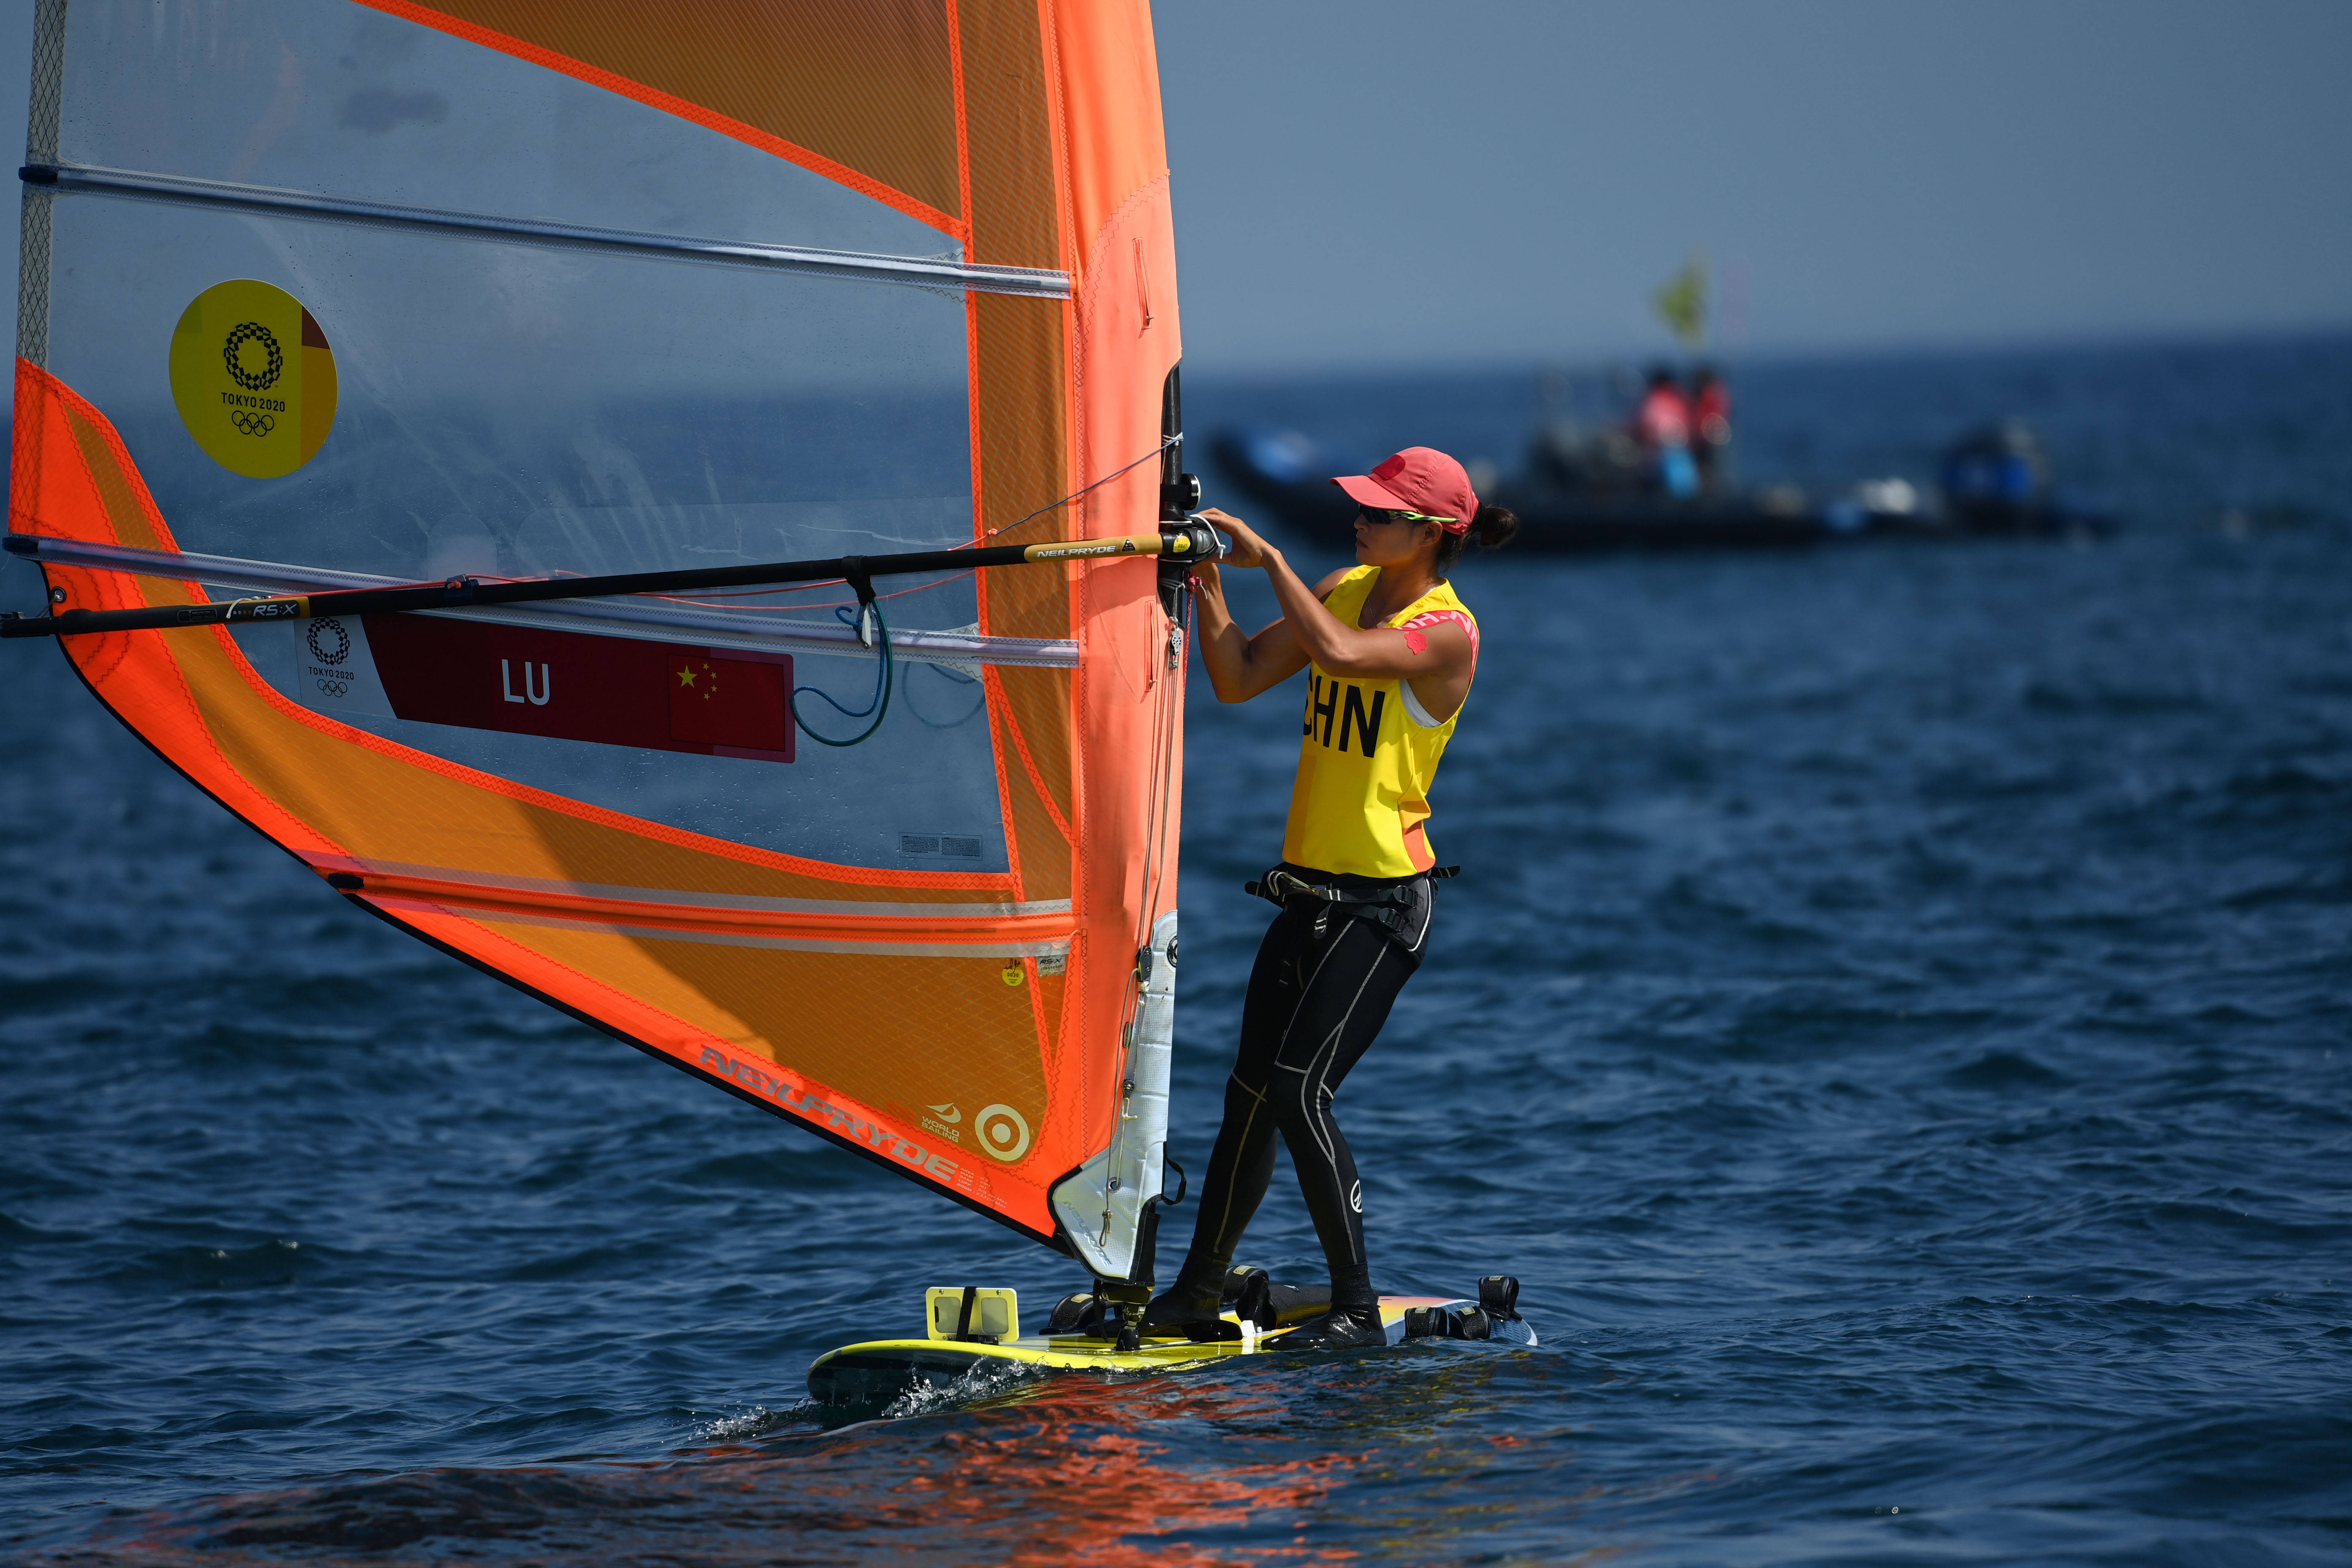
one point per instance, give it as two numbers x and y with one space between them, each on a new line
1492 529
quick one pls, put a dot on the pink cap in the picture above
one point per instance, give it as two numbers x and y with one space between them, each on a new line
1419 479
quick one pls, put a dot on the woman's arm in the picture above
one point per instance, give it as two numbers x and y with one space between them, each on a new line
1241 667
1309 632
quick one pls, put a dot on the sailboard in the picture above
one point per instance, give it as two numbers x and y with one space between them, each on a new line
678 506
972 1338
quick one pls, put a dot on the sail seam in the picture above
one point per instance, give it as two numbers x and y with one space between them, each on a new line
70 179
1037 781
963 122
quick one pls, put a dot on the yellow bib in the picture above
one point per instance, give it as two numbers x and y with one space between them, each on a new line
1361 800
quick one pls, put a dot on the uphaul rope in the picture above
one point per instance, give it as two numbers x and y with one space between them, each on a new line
1187 541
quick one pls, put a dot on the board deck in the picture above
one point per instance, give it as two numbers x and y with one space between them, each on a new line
881 1370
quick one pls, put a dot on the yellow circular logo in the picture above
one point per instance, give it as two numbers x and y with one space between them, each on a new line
254 378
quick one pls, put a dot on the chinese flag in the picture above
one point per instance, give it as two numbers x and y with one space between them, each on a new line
730 702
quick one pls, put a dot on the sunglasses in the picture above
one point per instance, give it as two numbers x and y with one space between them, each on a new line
1374 514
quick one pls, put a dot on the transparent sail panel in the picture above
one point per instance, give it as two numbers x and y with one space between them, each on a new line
504 408
921 795
511 411
340 99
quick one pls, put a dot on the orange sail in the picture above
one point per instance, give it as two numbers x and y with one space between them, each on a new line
325 295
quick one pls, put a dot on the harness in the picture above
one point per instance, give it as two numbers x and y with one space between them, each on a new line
1387 907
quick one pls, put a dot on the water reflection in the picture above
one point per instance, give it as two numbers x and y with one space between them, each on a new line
1289 1460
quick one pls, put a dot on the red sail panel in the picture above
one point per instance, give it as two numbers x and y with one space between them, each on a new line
611 692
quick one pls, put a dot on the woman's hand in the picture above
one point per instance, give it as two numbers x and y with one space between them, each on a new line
1247 549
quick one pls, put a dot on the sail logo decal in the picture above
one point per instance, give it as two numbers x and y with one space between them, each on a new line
1004 1134
847 1124
253 377
942 1120
260 380
328 626
332 670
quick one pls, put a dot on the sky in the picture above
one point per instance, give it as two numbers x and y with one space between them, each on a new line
1394 182
1398 183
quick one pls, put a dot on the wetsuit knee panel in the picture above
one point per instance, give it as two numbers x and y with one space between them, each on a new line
1298 1102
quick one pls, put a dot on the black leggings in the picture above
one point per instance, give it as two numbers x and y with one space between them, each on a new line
1321 991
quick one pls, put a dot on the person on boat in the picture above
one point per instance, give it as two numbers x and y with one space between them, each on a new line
1391 650
1662 425
1710 428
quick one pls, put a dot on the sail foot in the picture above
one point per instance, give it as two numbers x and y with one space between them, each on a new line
1107 1208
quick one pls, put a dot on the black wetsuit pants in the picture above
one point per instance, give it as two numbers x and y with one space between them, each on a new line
1319 993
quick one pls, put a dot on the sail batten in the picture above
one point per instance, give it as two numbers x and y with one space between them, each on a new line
927 272
947 908
984 948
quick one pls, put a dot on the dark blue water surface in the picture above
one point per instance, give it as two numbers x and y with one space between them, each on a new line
1896 1019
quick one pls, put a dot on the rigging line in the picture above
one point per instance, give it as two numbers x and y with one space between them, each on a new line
1165 442
1172 719
1162 778
1131 1012
955 678
1163 755
879 706
1162 752
705 601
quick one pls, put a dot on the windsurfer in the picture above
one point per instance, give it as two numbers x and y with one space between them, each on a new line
1663 427
1391 652
1710 428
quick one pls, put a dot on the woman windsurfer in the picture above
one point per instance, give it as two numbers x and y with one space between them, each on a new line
1392 651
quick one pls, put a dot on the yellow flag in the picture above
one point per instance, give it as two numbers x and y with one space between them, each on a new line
1681 303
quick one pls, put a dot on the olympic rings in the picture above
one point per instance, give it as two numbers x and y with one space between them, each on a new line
253 332
253 423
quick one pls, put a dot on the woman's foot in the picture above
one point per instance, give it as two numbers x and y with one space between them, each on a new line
1341 1328
1180 1309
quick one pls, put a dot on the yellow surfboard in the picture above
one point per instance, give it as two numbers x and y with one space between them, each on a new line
881 1370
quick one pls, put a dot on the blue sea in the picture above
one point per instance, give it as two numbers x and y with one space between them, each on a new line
1895 1018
